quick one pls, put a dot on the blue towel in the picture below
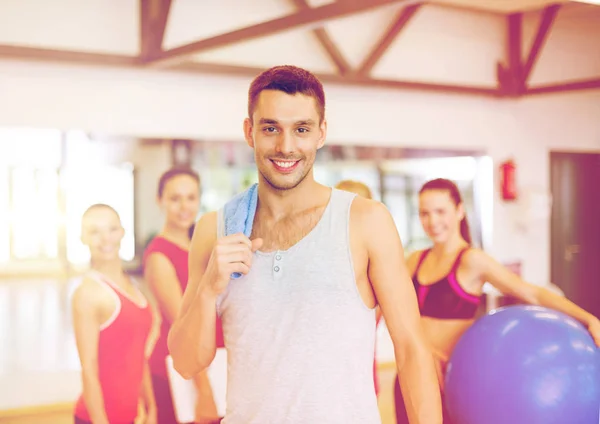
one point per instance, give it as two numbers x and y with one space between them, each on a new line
238 214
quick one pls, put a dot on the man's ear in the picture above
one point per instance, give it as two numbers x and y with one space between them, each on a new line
323 135
248 132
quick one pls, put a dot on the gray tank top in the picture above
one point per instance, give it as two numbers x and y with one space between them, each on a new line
300 340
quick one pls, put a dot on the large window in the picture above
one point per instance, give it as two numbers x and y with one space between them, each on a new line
4 216
29 215
34 214
41 200
112 185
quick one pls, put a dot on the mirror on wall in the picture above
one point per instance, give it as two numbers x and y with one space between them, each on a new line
393 174
63 172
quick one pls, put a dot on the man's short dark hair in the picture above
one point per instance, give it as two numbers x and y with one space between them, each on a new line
290 80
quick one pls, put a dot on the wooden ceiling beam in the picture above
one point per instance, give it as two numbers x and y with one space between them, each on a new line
510 79
66 56
591 84
310 17
322 36
131 62
548 17
404 16
349 80
154 15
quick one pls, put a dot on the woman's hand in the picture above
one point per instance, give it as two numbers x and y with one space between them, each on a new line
594 329
441 362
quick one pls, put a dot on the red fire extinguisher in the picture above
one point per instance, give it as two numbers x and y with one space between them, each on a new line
508 184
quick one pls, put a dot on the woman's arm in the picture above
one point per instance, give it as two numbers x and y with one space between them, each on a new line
148 397
147 389
86 322
511 284
162 279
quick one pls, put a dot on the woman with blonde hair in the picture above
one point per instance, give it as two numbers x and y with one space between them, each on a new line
363 190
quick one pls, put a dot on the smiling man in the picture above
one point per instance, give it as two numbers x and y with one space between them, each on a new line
299 325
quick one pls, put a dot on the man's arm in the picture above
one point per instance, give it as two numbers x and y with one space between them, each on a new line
393 287
87 332
192 338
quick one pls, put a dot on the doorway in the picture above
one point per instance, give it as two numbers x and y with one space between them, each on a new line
575 227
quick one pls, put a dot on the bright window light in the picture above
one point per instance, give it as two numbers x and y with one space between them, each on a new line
34 214
83 187
31 147
4 216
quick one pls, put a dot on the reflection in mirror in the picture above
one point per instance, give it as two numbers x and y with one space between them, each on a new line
393 174
62 173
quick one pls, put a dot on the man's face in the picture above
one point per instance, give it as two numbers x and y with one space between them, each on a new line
285 133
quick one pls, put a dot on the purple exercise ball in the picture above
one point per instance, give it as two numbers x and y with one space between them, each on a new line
524 365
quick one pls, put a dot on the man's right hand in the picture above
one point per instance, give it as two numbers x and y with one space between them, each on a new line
231 254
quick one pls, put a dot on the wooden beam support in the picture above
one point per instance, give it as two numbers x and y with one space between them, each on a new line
592 84
548 17
510 80
311 17
327 43
66 56
350 80
131 62
154 15
403 17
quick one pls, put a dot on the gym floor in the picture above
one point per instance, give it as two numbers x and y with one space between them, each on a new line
39 365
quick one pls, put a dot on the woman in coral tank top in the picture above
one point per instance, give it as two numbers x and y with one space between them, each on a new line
112 321
166 272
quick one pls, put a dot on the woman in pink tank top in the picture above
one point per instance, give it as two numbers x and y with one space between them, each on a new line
112 321
166 273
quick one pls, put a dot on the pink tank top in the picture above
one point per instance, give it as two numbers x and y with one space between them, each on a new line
179 258
121 349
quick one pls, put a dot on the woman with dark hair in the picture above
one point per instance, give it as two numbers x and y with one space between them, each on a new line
166 272
449 279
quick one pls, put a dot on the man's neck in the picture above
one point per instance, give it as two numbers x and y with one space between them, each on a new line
279 204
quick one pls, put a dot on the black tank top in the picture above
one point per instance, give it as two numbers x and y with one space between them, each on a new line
445 298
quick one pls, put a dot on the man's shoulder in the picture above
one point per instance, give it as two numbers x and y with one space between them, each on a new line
372 220
207 224
205 232
367 210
